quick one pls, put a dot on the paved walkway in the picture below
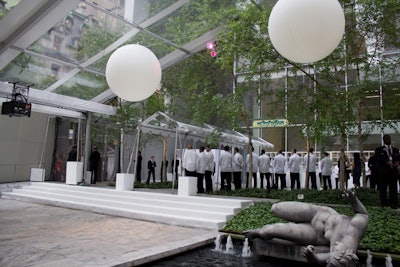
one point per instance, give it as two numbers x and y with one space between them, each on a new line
46 236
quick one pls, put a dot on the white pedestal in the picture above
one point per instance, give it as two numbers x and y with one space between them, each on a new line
124 182
74 172
88 177
187 186
169 176
37 175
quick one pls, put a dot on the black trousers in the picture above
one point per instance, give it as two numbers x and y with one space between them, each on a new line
237 180
200 179
254 178
313 177
385 182
226 177
208 178
150 172
190 173
139 174
294 179
93 177
282 178
267 177
372 181
327 181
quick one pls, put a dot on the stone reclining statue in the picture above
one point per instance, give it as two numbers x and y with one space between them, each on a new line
312 225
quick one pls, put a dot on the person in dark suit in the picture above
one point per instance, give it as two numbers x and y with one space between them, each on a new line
73 154
94 160
175 164
387 159
151 168
374 172
139 167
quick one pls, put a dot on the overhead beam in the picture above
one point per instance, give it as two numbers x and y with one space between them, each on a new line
60 101
27 22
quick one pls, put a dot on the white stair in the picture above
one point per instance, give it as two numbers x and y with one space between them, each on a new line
192 211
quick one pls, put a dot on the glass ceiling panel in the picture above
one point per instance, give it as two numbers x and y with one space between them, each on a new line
70 58
157 46
192 20
33 69
82 33
84 85
6 6
147 9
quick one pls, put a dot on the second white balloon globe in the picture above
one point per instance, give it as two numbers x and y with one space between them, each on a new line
306 31
133 72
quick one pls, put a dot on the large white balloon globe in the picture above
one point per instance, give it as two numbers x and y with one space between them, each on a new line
306 31
133 72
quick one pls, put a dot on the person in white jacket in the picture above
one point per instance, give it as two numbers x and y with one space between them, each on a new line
237 165
280 168
225 164
201 169
264 164
190 161
311 168
209 168
294 168
326 171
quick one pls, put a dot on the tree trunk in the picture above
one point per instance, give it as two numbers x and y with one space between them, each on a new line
164 160
250 137
342 166
308 160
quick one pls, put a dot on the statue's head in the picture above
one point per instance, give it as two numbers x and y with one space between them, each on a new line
341 256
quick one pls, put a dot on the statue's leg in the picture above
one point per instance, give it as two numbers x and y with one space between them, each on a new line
300 233
295 211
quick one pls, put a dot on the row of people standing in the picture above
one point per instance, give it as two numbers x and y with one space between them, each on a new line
200 165
273 170
233 166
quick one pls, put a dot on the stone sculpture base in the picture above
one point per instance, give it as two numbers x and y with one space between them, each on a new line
124 182
283 249
187 186
74 172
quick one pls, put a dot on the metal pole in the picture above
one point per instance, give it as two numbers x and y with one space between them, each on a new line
134 149
44 143
87 145
78 145
174 161
381 100
286 106
121 151
136 156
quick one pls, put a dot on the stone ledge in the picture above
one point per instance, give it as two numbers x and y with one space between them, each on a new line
283 249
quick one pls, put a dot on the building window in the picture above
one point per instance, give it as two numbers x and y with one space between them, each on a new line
55 69
57 43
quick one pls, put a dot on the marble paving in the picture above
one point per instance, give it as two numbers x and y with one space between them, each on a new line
39 235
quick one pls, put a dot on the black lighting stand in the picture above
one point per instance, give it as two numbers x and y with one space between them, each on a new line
19 105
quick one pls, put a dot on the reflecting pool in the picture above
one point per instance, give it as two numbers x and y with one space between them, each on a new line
209 256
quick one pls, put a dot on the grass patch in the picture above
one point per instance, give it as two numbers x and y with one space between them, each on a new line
159 185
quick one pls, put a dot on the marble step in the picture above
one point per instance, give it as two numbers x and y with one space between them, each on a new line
211 213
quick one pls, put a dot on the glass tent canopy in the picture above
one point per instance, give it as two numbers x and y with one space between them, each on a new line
61 47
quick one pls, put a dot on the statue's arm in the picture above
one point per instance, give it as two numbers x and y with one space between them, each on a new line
360 219
356 205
